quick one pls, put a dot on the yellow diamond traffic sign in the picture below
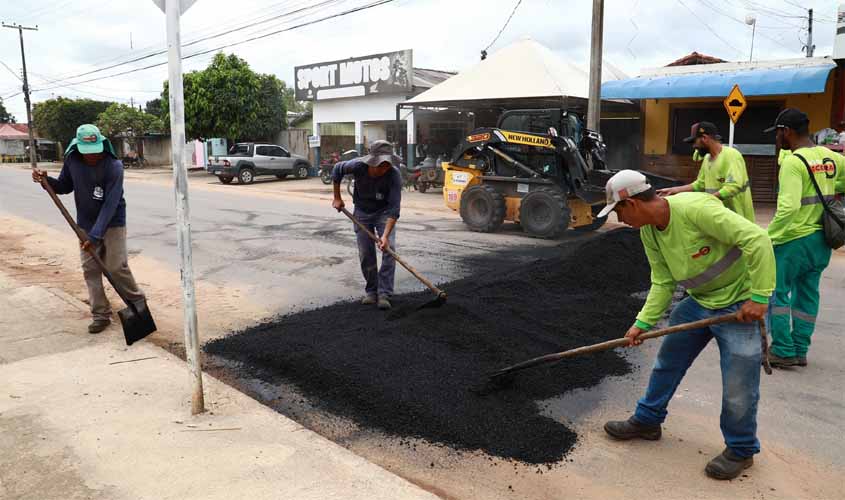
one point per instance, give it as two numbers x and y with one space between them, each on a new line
735 104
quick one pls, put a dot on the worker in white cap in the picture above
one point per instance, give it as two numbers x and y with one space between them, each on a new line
727 265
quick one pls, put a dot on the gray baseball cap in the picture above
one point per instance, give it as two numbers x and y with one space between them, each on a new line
379 152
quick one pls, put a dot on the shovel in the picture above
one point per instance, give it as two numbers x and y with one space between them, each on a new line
441 295
136 319
503 376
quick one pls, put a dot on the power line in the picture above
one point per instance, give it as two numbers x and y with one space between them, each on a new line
709 28
11 71
233 44
518 3
722 13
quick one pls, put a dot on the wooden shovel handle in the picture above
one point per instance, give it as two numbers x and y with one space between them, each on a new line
612 344
390 251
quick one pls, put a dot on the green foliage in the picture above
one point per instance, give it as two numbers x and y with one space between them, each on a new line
5 117
120 119
154 107
228 99
58 118
294 105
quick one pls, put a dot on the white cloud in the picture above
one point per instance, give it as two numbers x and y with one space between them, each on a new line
81 35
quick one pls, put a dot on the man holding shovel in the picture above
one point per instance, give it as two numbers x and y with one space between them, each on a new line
727 265
95 176
377 198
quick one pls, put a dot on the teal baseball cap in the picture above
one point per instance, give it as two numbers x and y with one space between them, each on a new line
88 140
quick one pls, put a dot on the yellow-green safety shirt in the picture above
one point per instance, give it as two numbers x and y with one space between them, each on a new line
720 257
799 211
727 177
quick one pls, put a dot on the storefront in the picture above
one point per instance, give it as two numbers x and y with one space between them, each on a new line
355 101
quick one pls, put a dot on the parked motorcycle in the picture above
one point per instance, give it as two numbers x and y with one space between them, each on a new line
430 174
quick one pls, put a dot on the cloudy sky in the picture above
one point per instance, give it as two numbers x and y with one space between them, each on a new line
76 37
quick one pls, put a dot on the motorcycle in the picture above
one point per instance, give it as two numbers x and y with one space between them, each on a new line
430 174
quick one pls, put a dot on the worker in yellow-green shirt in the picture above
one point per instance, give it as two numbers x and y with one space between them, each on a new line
796 232
726 264
722 174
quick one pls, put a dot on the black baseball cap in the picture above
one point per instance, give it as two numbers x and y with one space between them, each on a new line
702 128
789 118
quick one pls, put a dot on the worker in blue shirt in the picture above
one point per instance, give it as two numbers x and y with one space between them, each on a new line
94 175
377 197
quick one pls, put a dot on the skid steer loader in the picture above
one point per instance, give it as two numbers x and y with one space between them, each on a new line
538 168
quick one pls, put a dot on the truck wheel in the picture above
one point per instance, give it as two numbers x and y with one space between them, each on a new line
482 208
544 213
597 223
301 171
225 180
246 176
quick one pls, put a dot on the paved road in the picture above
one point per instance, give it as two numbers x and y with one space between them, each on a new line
290 250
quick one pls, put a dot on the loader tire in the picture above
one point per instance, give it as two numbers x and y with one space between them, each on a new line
483 208
544 213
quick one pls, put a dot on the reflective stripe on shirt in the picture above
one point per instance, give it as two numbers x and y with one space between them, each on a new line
714 270
812 200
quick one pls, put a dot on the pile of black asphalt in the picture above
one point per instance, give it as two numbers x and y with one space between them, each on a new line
413 372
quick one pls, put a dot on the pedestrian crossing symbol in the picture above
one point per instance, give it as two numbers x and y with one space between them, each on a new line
735 104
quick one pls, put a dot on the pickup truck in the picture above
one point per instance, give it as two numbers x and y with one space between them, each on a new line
247 160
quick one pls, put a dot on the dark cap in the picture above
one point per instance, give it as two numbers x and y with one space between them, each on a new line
790 118
380 152
702 128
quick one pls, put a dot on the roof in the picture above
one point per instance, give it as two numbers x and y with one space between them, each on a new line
791 76
14 131
427 78
694 59
524 69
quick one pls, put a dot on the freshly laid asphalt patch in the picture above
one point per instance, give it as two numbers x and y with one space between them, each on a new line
409 373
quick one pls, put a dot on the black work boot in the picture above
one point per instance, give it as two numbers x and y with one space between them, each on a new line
631 429
98 325
778 362
728 465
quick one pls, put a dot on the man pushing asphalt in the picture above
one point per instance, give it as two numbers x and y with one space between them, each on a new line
94 175
727 265
377 199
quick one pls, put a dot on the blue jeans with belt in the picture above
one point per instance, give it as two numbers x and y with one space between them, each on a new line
379 280
740 354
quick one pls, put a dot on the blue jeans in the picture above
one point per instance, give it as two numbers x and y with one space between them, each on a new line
379 280
740 354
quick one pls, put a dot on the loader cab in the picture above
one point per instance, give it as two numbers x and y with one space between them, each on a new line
539 121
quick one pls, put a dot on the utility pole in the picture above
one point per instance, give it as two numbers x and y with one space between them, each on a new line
810 47
20 29
594 101
173 10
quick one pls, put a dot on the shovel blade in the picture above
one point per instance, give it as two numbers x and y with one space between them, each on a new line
136 326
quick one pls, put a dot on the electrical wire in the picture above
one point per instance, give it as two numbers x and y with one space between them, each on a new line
240 42
709 28
715 9
518 3
11 71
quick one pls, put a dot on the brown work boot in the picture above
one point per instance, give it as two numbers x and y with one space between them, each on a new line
369 300
800 360
631 429
98 325
383 302
778 362
728 465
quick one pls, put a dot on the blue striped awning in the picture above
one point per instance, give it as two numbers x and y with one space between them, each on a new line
752 82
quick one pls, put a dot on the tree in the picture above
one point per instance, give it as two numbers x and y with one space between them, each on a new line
294 105
120 119
58 118
5 116
228 99
154 107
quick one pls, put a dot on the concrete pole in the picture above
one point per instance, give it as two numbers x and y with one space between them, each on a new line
183 213
411 131
32 152
594 102
810 47
359 137
316 132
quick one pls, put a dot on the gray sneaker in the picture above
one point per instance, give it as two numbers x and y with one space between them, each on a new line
383 303
98 325
369 300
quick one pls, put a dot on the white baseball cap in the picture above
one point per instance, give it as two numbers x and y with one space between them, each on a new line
623 185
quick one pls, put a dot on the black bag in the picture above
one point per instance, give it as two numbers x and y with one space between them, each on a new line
833 217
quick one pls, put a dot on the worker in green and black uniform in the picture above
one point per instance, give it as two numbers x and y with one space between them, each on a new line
796 232
727 265
722 172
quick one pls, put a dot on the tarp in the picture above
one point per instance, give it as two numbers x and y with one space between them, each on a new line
523 70
799 79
